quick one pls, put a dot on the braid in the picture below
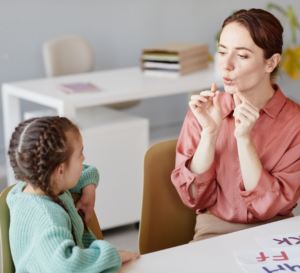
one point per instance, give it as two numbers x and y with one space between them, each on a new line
58 201
36 148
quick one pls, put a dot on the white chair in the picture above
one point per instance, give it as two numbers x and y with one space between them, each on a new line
71 55
68 55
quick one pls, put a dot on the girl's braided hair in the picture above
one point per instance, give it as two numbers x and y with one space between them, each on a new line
37 147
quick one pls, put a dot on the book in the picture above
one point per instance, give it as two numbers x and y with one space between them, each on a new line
174 59
172 66
160 57
162 73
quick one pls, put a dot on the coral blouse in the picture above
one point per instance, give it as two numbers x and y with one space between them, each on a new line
220 189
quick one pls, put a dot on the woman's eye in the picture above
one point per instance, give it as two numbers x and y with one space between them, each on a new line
243 56
222 53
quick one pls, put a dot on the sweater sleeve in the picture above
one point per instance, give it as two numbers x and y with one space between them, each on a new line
88 238
182 177
89 175
56 252
277 191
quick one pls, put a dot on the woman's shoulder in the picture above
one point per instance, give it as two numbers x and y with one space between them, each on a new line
35 208
291 111
293 104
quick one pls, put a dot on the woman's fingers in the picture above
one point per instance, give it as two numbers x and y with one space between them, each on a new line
243 120
216 101
197 97
244 112
214 87
195 102
249 108
237 100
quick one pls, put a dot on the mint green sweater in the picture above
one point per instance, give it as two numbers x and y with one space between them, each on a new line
41 238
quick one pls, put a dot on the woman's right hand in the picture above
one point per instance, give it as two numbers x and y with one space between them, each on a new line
127 256
207 109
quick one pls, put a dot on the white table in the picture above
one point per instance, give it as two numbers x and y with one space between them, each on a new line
117 86
114 141
209 256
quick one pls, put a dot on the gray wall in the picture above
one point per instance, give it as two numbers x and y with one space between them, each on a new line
118 31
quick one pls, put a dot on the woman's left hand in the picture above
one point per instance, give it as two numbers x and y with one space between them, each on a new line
246 114
87 202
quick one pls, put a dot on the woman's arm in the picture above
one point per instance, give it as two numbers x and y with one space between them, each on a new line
246 114
251 166
277 191
203 157
266 193
182 177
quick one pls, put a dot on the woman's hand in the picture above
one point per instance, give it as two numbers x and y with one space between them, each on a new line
207 109
127 256
87 202
246 114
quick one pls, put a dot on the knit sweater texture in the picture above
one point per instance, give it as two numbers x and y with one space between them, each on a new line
40 233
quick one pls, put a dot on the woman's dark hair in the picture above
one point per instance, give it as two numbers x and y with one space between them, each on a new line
37 147
264 28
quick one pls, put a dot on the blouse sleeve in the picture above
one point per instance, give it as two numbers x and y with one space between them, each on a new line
182 177
89 175
277 191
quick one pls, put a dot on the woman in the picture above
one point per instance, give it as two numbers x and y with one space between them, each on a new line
238 154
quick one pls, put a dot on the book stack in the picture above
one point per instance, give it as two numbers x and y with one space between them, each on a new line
174 59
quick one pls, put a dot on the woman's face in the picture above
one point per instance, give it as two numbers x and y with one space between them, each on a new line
241 61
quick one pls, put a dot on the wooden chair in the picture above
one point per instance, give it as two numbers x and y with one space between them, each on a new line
7 262
165 222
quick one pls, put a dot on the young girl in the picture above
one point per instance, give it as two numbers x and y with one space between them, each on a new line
238 154
46 232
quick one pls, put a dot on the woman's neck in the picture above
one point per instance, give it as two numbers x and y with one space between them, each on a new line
261 95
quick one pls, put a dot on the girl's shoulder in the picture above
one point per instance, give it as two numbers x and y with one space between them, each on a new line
35 207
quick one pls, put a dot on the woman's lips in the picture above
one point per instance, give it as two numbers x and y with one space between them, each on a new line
227 81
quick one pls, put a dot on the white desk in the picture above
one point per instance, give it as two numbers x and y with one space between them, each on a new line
209 256
117 145
117 86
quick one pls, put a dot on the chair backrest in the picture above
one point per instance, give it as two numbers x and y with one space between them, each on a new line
7 262
165 222
68 55
93 224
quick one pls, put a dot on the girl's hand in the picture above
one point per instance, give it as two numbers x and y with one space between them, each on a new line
87 202
127 256
207 109
246 114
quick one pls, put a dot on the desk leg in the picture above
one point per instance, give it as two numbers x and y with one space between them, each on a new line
11 118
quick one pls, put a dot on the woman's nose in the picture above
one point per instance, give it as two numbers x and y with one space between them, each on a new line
227 63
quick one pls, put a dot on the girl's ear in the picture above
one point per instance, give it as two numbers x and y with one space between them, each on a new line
59 172
273 62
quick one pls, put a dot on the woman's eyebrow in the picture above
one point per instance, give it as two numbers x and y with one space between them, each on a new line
239 48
